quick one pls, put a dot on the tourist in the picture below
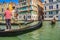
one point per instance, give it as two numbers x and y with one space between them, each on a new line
14 14
8 15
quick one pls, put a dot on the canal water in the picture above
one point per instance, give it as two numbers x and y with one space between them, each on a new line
46 32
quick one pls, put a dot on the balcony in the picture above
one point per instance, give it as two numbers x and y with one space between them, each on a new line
51 9
52 3
25 10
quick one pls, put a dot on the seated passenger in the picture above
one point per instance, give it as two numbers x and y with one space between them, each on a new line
53 21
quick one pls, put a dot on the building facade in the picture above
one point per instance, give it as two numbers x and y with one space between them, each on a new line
30 8
4 4
51 9
27 9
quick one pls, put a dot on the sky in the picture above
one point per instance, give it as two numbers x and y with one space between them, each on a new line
15 1
42 0
8 1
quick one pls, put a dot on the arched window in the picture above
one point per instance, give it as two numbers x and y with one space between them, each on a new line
51 7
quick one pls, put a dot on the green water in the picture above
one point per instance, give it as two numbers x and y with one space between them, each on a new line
47 32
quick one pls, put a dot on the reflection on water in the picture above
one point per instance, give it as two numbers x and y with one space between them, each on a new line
53 25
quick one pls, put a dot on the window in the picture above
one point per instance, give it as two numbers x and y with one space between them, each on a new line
57 12
50 0
45 7
45 17
57 6
45 13
50 7
50 12
29 17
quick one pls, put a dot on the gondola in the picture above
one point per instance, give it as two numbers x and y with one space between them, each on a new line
15 32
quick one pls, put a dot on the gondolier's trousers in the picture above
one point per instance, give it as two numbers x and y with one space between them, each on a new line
8 23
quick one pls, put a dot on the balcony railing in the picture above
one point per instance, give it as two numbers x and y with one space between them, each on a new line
51 2
52 9
24 10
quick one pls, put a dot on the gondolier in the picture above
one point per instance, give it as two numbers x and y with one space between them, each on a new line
8 15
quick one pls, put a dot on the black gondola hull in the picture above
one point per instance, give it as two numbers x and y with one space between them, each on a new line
20 31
